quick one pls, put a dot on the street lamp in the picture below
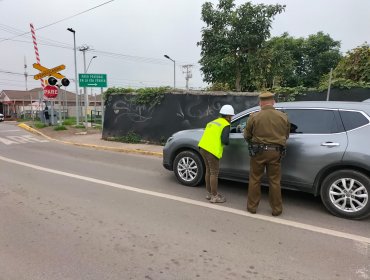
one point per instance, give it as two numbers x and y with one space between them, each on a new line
174 70
90 62
76 81
87 69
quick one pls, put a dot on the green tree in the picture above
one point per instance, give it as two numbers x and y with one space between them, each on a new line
291 62
231 39
321 53
280 62
353 70
355 65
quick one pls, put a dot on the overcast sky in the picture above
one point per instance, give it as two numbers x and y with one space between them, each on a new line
140 32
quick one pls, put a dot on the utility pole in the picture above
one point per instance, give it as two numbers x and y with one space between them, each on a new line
76 78
329 86
25 79
186 69
83 49
25 72
174 70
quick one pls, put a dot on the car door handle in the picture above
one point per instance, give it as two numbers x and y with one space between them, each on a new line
329 144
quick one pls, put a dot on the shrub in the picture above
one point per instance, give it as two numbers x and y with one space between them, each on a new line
69 121
79 126
40 125
130 137
60 127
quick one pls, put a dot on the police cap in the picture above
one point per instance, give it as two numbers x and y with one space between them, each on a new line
266 95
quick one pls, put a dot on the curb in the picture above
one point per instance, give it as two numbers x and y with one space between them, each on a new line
98 147
30 129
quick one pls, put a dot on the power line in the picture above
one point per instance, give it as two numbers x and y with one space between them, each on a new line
15 31
11 73
93 8
45 26
108 54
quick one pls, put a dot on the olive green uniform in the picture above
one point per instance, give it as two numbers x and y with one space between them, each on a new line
269 130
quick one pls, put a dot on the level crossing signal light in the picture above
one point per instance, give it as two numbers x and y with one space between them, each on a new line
52 81
65 82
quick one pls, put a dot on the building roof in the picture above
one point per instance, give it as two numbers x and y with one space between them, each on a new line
35 94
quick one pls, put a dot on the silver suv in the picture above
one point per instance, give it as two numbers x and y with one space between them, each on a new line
328 154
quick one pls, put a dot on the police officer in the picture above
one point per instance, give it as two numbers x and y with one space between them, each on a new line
266 133
215 136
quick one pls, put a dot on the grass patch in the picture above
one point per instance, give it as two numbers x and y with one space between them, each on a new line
69 121
131 138
40 125
97 126
60 127
79 126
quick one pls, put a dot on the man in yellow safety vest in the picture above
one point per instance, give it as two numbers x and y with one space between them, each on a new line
215 136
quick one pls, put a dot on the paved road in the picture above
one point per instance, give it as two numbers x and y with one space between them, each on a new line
75 213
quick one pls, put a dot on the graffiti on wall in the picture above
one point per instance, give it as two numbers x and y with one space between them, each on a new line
126 108
176 112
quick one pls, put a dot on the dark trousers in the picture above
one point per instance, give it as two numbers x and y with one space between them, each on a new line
269 160
212 168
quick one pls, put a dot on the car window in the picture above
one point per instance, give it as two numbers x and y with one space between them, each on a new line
352 120
238 125
313 121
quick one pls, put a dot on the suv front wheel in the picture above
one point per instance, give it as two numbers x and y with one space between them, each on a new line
345 193
188 168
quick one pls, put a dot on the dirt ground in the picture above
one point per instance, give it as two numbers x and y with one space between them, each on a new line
49 131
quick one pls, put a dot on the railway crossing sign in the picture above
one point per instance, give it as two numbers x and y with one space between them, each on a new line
48 72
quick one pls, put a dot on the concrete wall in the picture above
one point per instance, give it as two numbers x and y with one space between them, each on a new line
189 110
176 112
356 94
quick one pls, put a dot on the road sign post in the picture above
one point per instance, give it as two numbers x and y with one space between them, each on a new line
92 80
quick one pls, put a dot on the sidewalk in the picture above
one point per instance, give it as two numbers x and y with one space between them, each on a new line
94 140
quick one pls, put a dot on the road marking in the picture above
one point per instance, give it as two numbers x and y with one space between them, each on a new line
21 139
13 130
275 220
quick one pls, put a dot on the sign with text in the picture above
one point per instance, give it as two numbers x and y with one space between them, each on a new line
92 80
51 91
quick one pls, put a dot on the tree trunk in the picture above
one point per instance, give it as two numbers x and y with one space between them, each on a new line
238 79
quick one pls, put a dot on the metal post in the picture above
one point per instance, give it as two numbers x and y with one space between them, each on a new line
52 112
330 77
94 104
65 104
85 91
76 80
60 109
102 107
174 74
174 70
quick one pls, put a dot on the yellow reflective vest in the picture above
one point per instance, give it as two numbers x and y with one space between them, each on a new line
211 139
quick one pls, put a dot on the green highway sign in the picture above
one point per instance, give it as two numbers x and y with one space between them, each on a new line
92 80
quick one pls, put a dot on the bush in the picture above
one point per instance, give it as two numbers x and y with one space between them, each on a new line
40 125
141 96
79 126
69 121
131 137
60 127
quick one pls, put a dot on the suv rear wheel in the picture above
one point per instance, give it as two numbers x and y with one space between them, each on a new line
346 193
188 168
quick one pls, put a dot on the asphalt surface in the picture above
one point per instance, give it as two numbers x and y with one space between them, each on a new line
68 212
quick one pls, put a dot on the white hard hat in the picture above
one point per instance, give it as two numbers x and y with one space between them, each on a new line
227 110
